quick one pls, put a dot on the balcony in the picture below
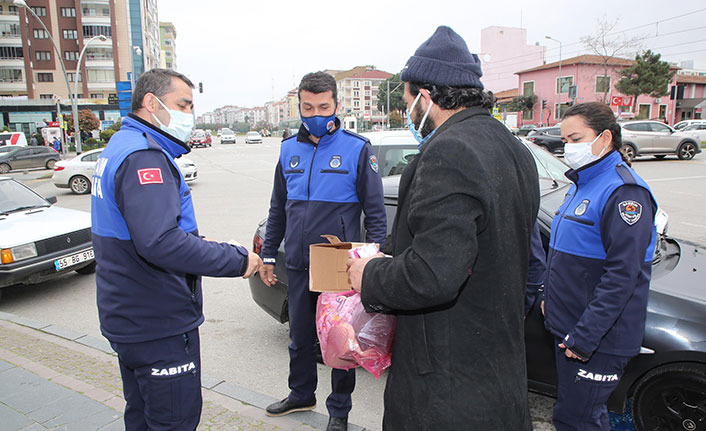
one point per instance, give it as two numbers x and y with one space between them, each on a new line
99 63
105 86
12 85
96 20
16 63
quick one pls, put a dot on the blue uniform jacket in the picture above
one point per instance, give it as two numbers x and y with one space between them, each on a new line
150 257
599 262
321 190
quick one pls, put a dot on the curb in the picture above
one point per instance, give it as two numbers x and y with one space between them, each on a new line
211 383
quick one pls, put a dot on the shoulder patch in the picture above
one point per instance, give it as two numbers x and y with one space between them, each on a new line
150 176
630 211
374 163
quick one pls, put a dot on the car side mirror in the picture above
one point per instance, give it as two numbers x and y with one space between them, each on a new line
52 200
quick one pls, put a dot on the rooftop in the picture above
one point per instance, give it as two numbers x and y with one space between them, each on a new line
581 59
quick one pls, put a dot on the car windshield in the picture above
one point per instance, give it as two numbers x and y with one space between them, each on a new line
548 166
253 134
16 197
227 132
199 135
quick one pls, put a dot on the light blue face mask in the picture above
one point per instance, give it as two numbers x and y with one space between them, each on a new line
180 126
416 132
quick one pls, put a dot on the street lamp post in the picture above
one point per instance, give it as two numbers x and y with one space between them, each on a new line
560 83
77 132
23 4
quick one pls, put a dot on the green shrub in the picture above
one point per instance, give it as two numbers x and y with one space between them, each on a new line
106 134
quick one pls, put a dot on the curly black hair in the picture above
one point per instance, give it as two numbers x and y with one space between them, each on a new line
449 98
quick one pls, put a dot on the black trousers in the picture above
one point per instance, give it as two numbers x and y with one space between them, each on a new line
161 383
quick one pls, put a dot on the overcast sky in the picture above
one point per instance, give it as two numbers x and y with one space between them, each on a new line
249 52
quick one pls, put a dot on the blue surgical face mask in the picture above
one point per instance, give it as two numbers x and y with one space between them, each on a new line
319 125
180 126
416 132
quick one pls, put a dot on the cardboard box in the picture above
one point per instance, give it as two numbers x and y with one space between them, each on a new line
327 267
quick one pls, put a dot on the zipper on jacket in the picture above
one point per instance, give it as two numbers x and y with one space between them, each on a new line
343 228
308 196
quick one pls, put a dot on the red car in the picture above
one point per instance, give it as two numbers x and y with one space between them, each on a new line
200 139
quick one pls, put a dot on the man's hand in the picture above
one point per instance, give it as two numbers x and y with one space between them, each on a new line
254 264
356 267
542 304
267 274
569 354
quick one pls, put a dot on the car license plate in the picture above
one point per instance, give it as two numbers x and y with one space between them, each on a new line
74 259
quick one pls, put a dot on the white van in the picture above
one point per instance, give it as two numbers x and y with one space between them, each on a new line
16 139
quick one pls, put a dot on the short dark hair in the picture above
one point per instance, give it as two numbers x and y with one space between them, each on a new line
447 97
318 82
155 81
599 117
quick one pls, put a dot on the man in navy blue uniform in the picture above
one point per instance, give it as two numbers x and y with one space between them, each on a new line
324 178
151 258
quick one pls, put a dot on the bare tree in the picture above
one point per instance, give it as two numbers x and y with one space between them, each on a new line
608 43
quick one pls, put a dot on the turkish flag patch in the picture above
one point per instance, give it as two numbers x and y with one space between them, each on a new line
150 176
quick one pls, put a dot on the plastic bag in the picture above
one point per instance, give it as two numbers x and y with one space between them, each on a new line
351 337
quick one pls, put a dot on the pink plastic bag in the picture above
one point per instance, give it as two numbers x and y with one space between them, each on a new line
350 337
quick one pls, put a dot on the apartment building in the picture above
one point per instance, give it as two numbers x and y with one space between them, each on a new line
29 66
358 93
167 36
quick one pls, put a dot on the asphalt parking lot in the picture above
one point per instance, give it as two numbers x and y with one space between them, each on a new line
242 344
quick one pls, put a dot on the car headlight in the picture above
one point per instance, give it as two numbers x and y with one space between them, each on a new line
20 252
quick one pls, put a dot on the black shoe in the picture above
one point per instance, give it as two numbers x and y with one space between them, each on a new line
337 424
286 407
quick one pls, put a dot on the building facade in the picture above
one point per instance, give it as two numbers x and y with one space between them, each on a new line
693 103
504 50
144 41
358 93
167 37
592 83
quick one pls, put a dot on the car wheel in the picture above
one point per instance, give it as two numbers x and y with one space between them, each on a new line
88 269
4 168
50 164
670 398
80 185
660 156
629 151
686 151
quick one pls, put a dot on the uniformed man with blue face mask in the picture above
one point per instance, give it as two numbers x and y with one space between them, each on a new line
324 178
151 258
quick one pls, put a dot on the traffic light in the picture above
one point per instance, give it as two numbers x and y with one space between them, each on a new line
544 104
200 87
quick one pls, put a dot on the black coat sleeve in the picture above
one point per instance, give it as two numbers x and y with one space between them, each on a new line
370 195
276 219
152 212
537 268
625 245
444 218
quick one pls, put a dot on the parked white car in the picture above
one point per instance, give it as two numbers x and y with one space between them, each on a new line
253 138
227 136
698 130
685 123
39 241
77 173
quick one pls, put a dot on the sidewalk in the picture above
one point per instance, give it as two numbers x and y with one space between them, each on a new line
55 378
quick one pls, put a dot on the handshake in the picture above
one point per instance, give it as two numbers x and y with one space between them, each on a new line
254 261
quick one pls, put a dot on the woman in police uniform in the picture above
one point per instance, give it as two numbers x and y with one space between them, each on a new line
599 267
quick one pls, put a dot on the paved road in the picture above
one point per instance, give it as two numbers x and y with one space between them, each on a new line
243 345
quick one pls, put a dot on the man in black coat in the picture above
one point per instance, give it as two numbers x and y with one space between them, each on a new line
460 241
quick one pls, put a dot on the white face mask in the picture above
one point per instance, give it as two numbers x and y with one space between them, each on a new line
581 153
181 124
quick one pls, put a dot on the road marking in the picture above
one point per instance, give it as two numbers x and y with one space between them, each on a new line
676 178
693 224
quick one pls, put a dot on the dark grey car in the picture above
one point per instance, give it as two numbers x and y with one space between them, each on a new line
666 382
28 157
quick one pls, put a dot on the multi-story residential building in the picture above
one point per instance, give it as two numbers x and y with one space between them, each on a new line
587 74
275 112
143 34
358 93
504 50
167 36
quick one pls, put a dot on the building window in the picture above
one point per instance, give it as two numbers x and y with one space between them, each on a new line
12 10
39 10
96 95
97 30
602 84
643 111
72 75
167 42
367 93
71 55
356 93
45 77
566 82
663 112
46 96
11 52
95 10
557 113
101 75
40 34
356 84
70 34
99 54
68 12
8 29
528 88
528 115
356 104
43 55
10 75
169 65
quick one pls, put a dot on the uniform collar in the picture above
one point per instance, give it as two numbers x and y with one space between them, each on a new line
584 174
303 135
170 144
